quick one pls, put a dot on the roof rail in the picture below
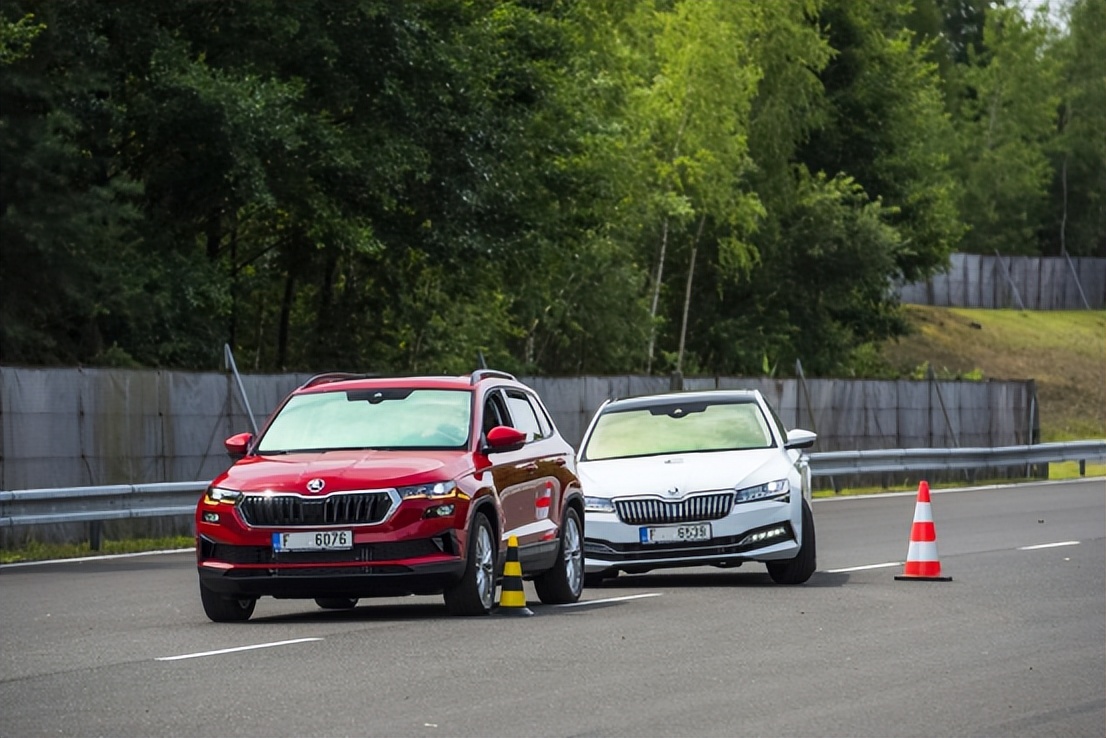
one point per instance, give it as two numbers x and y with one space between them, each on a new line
479 374
333 377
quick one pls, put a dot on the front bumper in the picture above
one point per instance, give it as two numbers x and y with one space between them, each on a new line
410 552
424 566
612 545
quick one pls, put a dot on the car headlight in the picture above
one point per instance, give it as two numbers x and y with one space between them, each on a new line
222 494
598 504
433 489
769 491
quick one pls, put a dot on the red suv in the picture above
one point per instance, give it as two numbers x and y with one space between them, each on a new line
371 487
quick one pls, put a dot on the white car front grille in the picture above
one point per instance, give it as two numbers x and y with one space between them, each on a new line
654 511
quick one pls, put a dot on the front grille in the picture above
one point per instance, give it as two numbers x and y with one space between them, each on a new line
353 508
652 511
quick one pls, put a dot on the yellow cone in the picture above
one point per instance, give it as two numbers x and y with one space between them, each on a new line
512 598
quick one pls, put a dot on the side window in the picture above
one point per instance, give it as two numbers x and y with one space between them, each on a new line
524 416
544 421
779 423
494 412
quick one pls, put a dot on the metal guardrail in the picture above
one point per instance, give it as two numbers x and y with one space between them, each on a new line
116 502
877 461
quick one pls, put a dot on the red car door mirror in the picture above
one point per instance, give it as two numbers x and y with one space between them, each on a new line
505 438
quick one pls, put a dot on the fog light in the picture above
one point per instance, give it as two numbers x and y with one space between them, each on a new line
764 535
439 511
210 517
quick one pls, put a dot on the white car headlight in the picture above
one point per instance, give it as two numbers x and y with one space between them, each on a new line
769 491
598 504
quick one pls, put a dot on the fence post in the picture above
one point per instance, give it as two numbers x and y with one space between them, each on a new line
1010 281
228 355
1078 283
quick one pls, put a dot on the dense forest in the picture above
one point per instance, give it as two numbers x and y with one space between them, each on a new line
559 186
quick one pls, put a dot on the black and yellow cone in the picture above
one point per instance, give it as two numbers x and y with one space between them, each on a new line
512 598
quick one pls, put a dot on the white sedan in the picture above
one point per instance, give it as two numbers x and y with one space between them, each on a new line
695 478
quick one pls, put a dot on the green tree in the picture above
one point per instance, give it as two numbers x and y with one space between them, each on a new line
888 129
1076 222
1006 125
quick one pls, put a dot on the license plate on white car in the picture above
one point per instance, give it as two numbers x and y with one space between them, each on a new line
676 533
319 540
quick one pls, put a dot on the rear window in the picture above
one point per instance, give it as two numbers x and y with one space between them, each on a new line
395 418
694 426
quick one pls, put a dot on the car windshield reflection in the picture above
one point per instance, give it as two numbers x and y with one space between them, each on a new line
678 428
378 420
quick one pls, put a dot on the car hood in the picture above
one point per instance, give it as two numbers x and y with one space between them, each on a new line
342 470
694 472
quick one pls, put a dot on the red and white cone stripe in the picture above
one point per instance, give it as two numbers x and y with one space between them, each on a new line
922 561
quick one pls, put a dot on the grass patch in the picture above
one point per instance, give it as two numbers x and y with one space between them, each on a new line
37 551
1063 351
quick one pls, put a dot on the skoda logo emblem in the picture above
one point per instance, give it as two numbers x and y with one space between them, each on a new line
316 485
673 491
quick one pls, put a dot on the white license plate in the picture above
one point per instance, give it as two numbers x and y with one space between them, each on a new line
319 540
676 533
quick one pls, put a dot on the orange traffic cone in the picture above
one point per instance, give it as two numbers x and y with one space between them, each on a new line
921 558
512 599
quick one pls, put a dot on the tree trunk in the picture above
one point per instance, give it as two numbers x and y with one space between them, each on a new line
687 293
285 319
656 297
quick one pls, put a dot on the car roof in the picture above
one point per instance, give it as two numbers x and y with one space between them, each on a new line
734 395
338 381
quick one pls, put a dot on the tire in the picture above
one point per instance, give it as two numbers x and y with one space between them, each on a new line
565 581
221 609
336 603
474 593
800 568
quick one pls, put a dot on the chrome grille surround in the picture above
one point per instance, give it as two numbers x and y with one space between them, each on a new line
657 511
337 509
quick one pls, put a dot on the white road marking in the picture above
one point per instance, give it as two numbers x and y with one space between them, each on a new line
888 565
234 650
1049 545
611 599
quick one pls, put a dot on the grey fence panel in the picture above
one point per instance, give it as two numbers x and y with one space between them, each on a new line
1092 278
914 402
40 430
1042 283
1034 274
66 427
194 442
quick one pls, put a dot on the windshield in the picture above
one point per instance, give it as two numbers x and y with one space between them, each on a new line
677 427
399 418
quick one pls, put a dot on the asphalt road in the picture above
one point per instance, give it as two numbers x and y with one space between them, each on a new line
1014 645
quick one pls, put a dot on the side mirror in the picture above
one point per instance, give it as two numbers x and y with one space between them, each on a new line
799 438
237 445
505 438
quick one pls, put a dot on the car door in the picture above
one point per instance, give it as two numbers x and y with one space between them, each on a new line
544 468
512 473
